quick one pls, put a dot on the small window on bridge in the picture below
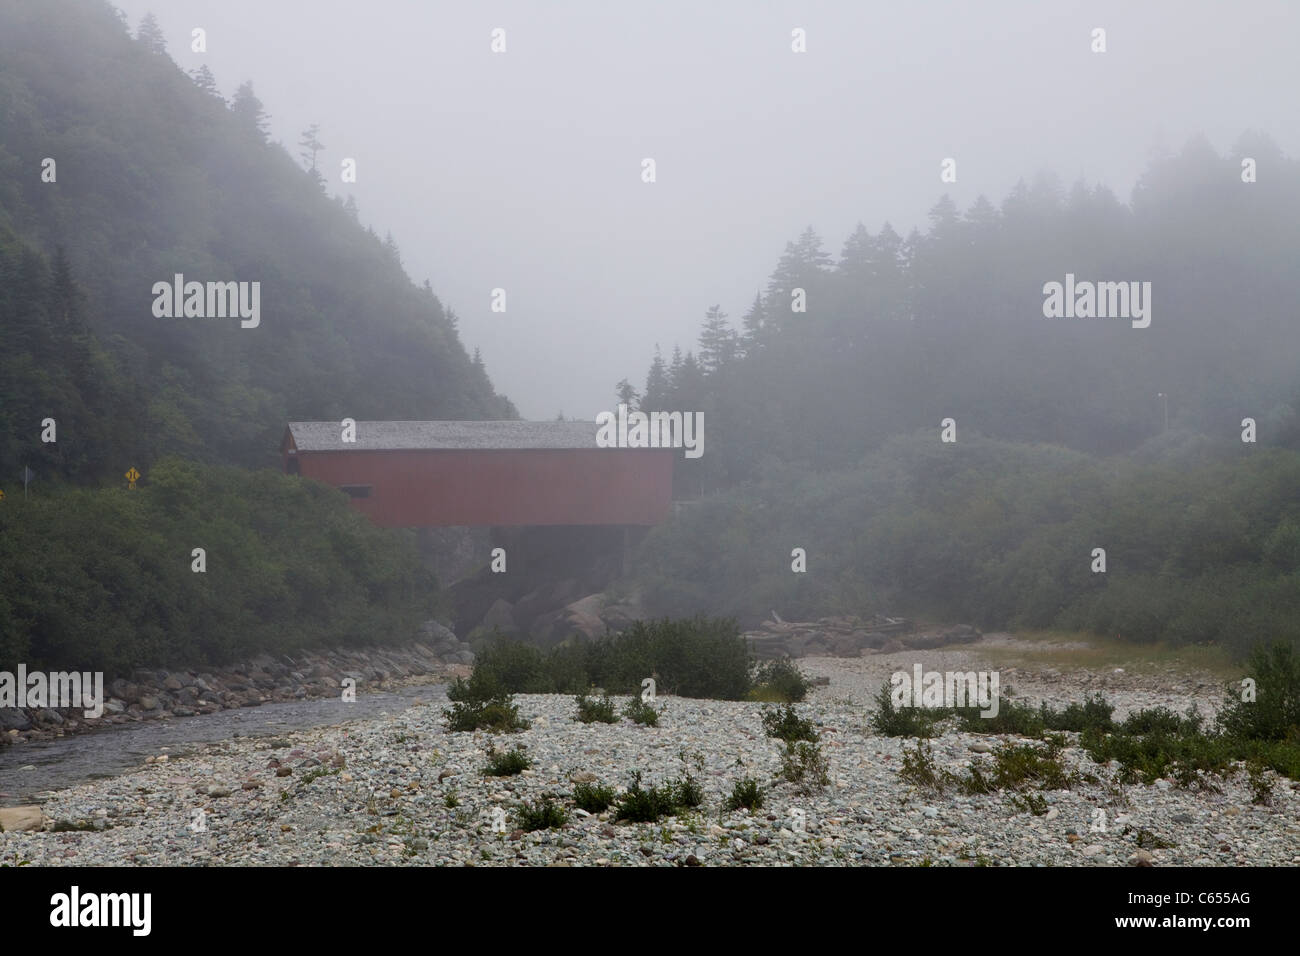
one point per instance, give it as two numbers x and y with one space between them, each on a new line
357 491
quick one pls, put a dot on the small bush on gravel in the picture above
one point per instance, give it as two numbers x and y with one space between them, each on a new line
1148 757
803 765
779 681
541 815
592 797
1092 714
1274 714
920 770
642 713
1261 786
1034 803
1011 718
591 710
1161 720
746 794
1016 766
639 805
891 721
785 724
499 715
696 657
506 764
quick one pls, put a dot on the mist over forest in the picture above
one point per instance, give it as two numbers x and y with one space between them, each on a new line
895 401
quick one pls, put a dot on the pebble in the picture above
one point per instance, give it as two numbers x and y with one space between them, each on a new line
390 806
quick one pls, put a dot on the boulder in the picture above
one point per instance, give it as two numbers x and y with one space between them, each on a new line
15 819
14 718
434 633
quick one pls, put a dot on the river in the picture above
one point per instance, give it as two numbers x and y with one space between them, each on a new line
33 767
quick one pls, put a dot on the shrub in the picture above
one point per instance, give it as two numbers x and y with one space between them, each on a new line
891 721
639 805
697 657
499 715
1093 714
1011 718
1261 786
1148 757
803 765
642 713
541 815
1162 720
746 794
779 681
506 764
920 770
591 710
1019 765
592 797
1275 712
785 724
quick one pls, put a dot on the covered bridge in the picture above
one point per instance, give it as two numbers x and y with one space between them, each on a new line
497 474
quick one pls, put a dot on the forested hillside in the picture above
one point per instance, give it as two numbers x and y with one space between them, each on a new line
899 333
1061 444
155 175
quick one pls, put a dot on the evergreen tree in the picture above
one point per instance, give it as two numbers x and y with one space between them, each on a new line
675 373
150 35
627 394
751 325
205 81
718 343
250 112
655 398
311 145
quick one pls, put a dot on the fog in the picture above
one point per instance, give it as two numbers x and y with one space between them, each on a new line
522 170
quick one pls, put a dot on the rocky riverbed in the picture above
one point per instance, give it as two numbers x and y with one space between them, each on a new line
398 789
163 694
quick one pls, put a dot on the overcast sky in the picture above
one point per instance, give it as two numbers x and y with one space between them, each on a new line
522 170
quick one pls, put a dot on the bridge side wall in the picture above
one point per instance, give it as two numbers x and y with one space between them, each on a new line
426 488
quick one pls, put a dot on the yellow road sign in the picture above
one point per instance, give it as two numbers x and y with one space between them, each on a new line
132 476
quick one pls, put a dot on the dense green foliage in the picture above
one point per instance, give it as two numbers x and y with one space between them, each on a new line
784 723
640 804
506 763
543 814
745 794
779 681
1202 541
592 710
699 657
103 580
593 797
